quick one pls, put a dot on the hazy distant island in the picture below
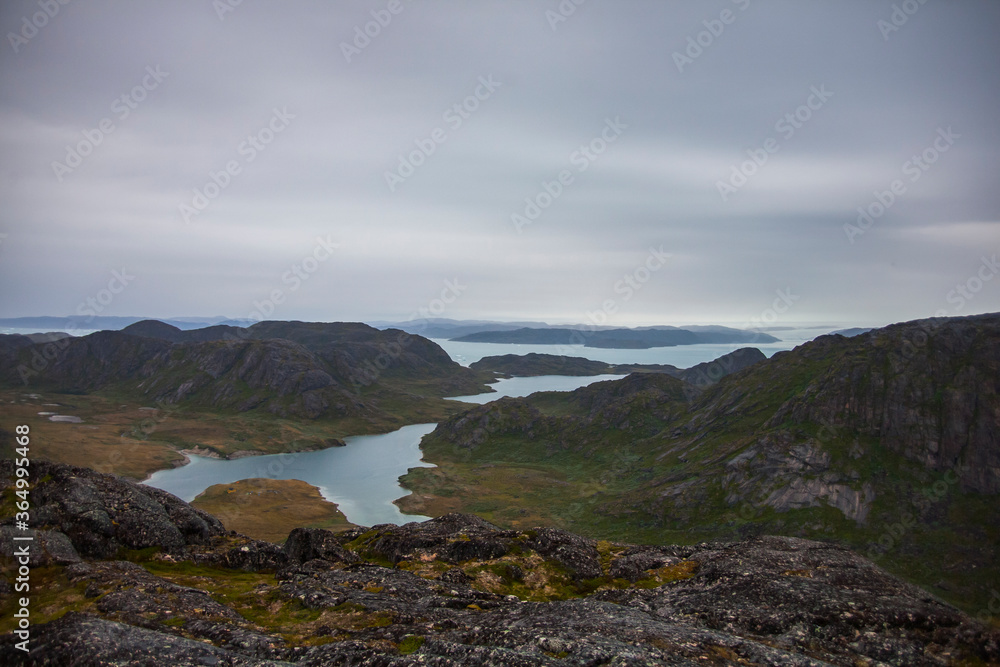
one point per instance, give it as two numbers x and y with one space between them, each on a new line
629 339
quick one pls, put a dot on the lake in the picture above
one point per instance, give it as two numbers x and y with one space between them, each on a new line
363 477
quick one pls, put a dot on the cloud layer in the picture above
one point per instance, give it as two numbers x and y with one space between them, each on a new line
534 152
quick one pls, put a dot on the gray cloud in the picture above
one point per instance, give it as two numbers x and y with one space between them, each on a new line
655 185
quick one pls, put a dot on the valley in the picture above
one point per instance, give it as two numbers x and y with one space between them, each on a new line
883 443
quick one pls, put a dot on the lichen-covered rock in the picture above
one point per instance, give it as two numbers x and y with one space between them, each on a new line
102 514
451 538
305 544
240 553
766 601
578 554
47 547
86 641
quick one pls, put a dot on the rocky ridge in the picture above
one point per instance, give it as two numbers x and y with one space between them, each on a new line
452 591
288 369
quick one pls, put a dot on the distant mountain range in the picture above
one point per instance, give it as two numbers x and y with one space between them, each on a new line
110 323
526 332
542 333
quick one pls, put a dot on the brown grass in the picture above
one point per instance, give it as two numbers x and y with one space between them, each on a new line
105 441
120 437
268 509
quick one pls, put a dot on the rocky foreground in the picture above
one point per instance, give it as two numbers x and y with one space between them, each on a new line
125 574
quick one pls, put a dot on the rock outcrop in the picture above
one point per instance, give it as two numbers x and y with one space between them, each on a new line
459 591
95 515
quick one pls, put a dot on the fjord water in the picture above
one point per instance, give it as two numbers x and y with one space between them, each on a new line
518 386
681 356
363 477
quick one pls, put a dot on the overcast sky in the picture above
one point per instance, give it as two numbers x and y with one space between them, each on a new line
728 146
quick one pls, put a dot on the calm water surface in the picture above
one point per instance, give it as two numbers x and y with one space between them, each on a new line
363 477
682 356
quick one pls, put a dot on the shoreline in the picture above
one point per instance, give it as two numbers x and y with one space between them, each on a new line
206 453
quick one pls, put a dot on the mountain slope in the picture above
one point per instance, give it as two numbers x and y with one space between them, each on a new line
288 369
887 441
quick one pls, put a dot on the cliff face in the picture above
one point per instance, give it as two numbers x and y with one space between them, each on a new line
928 390
453 591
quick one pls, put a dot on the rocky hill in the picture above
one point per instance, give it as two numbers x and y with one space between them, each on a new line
164 331
127 575
288 369
533 364
887 441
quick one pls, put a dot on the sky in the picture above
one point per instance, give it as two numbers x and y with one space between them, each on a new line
591 161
